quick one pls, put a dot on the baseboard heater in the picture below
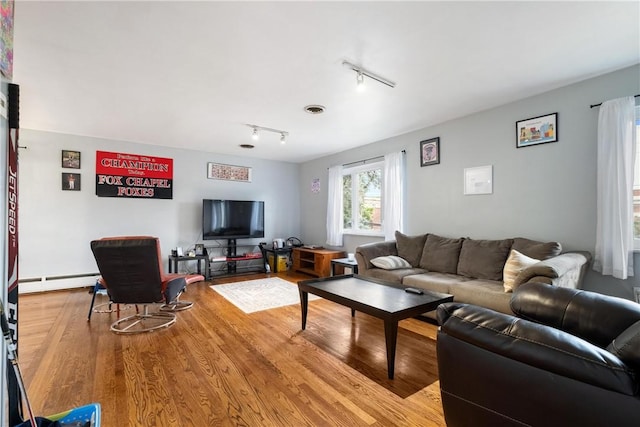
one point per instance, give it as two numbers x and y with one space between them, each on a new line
52 283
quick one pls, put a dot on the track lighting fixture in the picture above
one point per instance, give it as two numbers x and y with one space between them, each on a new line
361 72
254 134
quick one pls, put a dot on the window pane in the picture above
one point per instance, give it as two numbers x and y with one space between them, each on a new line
346 202
369 189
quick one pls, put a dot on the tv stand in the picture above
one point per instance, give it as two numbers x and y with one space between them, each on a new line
245 262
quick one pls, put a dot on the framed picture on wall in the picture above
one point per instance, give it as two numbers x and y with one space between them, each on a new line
430 152
537 130
70 159
71 181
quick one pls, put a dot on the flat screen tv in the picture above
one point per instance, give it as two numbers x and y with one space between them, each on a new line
232 219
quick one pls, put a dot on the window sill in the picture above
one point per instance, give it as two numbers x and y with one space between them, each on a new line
363 233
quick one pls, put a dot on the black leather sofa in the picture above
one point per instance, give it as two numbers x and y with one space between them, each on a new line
569 358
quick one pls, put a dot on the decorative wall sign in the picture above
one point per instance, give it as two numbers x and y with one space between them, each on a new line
538 130
71 181
478 180
70 159
228 172
430 152
315 185
133 176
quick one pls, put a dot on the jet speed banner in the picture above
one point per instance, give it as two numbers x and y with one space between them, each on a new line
133 176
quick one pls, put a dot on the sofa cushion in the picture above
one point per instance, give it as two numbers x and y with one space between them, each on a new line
514 265
392 276
432 281
441 254
483 259
485 293
410 247
390 262
534 249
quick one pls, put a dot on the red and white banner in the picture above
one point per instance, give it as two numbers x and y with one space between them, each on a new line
133 176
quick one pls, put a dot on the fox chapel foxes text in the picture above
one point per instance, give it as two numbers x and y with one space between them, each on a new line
133 176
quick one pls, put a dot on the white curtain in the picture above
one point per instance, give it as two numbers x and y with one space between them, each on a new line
616 155
393 188
334 207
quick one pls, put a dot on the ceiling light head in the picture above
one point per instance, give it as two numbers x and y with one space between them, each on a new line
283 138
254 134
360 80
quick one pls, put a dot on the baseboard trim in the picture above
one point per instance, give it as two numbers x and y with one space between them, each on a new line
54 283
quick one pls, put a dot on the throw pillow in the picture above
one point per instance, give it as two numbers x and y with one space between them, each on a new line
514 265
410 247
390 262
483 259
441 254
534 249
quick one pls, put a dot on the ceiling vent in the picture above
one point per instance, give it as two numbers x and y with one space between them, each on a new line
314 109
248 146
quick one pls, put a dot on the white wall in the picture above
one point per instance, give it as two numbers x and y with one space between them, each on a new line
544 192
56 226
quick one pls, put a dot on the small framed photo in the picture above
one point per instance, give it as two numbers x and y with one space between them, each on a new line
71 181
70 159
537 130
430 152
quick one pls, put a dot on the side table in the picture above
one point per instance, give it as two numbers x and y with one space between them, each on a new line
175 260
345 262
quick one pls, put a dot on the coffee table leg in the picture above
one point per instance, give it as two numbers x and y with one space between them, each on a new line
391 337
304 303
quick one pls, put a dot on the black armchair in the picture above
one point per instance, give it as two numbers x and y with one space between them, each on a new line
570 358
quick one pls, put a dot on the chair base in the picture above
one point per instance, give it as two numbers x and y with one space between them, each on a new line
111 307
143 322
176 306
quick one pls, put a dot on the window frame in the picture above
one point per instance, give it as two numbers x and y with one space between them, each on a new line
636 171
353 171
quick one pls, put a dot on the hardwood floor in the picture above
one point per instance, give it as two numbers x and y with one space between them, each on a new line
218 366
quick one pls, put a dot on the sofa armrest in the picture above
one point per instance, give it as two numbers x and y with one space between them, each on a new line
565 270
536 345
365 253
594 317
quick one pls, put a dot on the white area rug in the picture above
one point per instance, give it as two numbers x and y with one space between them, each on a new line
261 294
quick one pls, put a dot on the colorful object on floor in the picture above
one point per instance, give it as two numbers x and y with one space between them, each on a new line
84 416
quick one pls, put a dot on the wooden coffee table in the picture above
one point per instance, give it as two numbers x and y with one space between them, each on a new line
386 301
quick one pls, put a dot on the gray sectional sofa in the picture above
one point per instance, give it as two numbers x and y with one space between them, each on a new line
479 272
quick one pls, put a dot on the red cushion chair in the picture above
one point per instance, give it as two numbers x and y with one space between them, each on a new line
132 271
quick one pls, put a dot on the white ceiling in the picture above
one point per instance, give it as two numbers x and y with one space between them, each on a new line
192 74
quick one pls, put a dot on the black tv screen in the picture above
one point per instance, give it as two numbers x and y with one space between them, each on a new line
232 219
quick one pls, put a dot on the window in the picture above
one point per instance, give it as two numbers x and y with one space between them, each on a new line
363 198
636 185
